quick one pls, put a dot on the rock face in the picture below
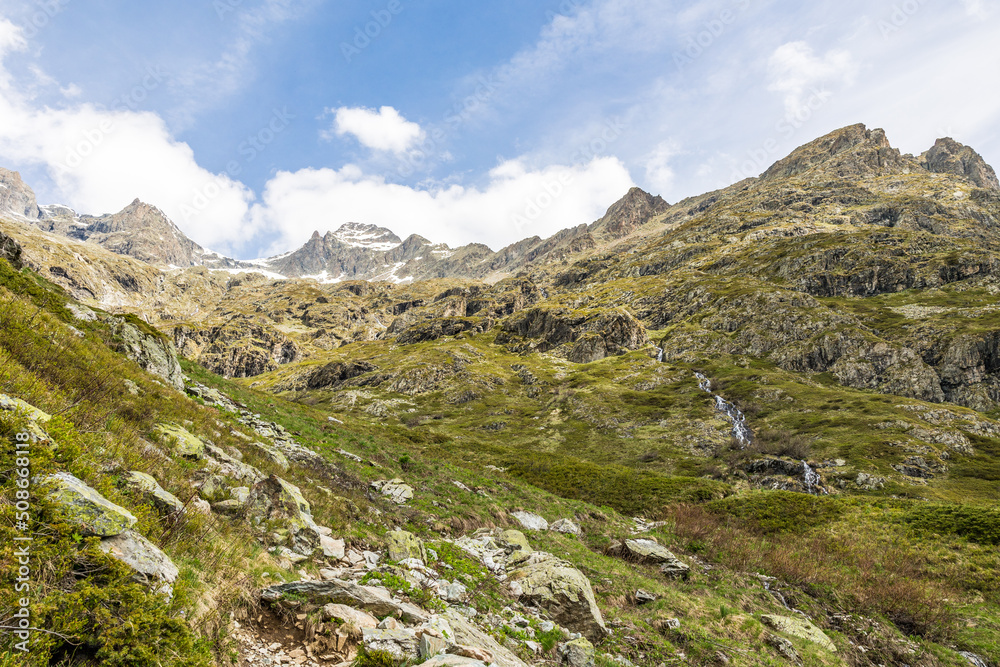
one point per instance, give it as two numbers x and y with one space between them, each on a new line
240 348
151 565
582 336
629 213
560 589
10 250
950 157
151 350
799 627
144 232
87 509
16 197
850 152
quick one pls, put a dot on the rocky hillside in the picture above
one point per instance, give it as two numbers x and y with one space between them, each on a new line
757 427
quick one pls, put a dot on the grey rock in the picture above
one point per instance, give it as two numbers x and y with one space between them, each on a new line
566 526
151 565
466 633
560 589
400 644
530 521
642 597
154 352
165 502
374 600
85 508
577 653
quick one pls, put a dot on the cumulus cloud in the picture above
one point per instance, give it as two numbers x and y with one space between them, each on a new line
516 201
797 73
382 130
659 171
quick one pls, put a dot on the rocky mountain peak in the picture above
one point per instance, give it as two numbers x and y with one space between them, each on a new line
360 235
850 152
947 156
629 213
16 197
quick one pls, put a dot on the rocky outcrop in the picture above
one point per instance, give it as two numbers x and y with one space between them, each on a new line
183 442
335 374
850 152
649 551
395 490
629 213
16 197
947 156
403 545
85 508
583 336
147 347
240 348
10 250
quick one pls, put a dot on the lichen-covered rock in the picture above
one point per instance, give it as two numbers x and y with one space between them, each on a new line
402 645
153 351
151 565
799 627
280 503
184 443
577 653
514 540
36 417
272 454
403 545
85 508
345 614
448 660
562 590
145 485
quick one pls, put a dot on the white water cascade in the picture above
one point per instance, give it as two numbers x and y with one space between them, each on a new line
741 431
659 355
811 478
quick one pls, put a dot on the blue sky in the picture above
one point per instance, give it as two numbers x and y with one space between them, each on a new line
252 123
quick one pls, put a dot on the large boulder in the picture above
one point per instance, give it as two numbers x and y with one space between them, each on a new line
403 545
151 565
10 250
530 521
279 504
649 551
184 443
85 508
373 599
152 350
146 486
799 627
562 590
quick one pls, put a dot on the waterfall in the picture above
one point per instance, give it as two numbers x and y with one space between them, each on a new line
659 355
810 477
741 431
973 659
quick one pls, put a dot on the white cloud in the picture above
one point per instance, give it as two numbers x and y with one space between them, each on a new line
516 202
382 130
659 172
795 71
